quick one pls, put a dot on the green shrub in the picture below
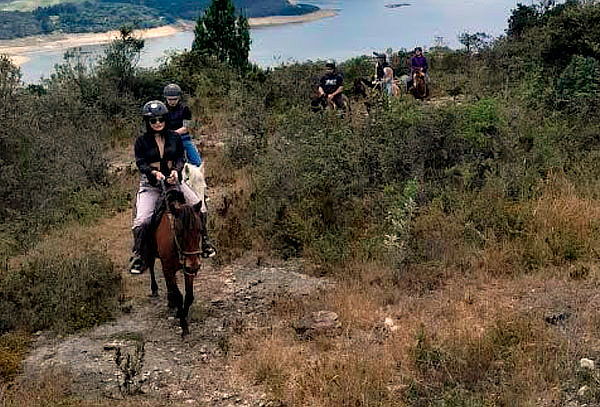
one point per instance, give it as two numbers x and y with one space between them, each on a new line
62 294
578 87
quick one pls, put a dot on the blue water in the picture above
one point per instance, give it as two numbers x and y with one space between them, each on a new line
361 27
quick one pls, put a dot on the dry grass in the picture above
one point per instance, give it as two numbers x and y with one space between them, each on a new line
564 225
558 232
320 373
469 322
52 389
13 347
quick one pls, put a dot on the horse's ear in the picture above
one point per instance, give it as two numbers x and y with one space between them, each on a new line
174 207
175 200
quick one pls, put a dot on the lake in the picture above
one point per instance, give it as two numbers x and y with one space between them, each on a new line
361 27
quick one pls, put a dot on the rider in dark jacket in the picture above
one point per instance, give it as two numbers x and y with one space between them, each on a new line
159 157
331 85
418 62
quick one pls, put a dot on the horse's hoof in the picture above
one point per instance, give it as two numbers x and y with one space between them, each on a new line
154 294
185 332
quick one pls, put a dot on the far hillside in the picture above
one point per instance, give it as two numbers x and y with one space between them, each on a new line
22 18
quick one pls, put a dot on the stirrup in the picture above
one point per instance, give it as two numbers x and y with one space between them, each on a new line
208 251
136 266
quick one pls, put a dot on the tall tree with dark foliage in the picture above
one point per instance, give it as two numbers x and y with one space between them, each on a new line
221 34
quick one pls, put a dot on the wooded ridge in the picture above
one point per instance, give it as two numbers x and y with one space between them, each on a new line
106 15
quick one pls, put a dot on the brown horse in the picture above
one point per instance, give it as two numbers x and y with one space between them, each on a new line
419 88
322 102
178 242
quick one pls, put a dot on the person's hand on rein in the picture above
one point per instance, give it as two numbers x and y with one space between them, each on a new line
173 178
159 175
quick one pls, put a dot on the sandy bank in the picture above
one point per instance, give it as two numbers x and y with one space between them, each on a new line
19 59
304 18
19 48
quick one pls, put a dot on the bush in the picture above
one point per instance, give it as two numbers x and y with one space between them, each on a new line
62 294
578 87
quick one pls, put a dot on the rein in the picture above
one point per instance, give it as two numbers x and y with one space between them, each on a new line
180 253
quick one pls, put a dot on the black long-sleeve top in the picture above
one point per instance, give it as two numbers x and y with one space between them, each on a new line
177 115
146 153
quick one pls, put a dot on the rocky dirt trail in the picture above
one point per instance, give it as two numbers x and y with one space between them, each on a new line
159 365
193 371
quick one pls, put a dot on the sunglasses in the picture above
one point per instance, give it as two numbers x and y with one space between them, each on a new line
155 120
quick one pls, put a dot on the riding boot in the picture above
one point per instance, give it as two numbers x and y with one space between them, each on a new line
136 263
208 250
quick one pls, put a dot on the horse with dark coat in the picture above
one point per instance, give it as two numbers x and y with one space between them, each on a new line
419 88
177 239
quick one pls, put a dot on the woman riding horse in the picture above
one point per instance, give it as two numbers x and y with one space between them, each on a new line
159 156
382 83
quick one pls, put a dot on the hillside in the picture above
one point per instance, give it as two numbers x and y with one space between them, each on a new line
407 253
21 19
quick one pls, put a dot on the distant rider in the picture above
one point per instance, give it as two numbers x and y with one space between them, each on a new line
331 85
179 120
384 75
380 65
418 63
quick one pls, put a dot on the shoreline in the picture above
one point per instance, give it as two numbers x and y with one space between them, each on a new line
18 49
303 18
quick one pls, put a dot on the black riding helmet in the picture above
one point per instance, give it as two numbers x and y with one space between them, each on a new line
172 90
330 63
154 108
381 56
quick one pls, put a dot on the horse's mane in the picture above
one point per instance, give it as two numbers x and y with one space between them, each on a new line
187 219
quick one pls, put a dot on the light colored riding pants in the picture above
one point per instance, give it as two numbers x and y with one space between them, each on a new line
148 195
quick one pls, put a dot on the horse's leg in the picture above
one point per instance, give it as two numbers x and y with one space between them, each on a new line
346 103
153 285
174 297
189 299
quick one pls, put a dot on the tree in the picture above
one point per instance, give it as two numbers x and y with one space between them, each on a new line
121 58
10 78
220 34
474 42
522 19
578 87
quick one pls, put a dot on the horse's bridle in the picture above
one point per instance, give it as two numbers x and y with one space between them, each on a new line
182 254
